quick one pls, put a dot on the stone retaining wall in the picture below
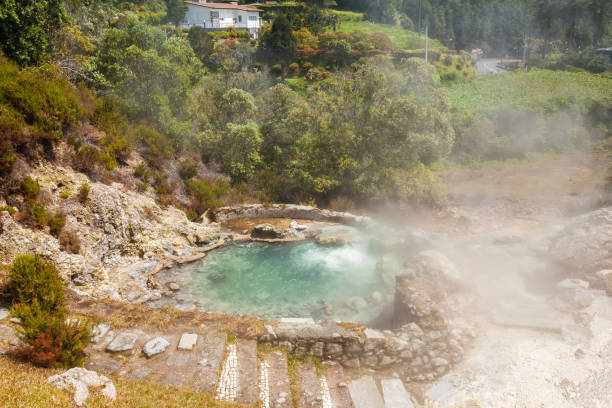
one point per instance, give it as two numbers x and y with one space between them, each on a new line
290 211
415 354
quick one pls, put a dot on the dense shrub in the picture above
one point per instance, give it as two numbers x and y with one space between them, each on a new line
37 298
34 280
205 194
36 105
30 188
84 192
56 224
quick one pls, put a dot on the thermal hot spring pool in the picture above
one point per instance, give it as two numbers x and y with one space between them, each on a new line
299 279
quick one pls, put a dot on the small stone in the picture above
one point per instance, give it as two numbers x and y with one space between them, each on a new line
579 354
188 340
333 350
15 320
173 286
4 313
122 342
99 331
155 346
352 363
342 385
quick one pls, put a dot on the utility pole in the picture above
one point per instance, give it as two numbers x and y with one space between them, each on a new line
525 51
426 42
419 30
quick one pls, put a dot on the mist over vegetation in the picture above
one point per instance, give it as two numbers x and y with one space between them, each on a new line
333 103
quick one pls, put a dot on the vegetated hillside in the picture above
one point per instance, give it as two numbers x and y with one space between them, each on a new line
504 116
402 37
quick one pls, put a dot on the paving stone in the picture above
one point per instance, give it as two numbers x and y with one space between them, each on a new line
155 346
124 341
188 340
105 341
104 365
278 380
247 372
4 313
99 331
394 394
209 362
139 373
309 386
530 315
338 389
364 393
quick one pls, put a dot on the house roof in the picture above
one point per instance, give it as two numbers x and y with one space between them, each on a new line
223 6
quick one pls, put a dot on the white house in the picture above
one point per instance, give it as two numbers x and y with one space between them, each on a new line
219 16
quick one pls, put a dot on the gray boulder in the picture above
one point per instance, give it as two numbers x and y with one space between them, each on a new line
585 245
267 231
155 346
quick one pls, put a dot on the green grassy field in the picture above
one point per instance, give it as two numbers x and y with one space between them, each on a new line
405 39
537 90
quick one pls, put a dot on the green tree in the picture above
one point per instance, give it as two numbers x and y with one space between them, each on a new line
176 11
279 43
202 43
26 28
241 144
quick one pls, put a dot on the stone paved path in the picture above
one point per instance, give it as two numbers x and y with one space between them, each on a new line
234 371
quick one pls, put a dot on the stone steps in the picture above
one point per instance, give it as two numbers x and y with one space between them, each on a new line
309 394
338 387
394 394
232 371
364 393
274 386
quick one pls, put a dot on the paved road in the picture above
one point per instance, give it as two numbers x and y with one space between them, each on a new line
487 66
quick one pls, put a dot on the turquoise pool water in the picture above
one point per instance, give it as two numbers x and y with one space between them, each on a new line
300 279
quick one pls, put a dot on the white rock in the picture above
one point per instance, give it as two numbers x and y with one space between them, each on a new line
155 346
99 331
123 342
80 379
188 340
573 284
4 313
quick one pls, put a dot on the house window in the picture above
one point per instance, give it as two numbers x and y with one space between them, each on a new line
240 19
214 14
253 18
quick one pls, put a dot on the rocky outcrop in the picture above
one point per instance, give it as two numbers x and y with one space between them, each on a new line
267 231
302 212
80 379
122 235
584 247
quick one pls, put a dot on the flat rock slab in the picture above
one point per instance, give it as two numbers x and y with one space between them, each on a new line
188 340
124 341
309 386
248 392
338 387
278 380
395 394
104 365
99 331
209 363
364 393
155 346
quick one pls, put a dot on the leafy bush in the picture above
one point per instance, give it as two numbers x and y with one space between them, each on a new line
205 194
30 188
56 223
35 214
37 297
84 192
34 280
188 168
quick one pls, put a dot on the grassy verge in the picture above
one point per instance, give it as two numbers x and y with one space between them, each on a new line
403 38
22 385
537 90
